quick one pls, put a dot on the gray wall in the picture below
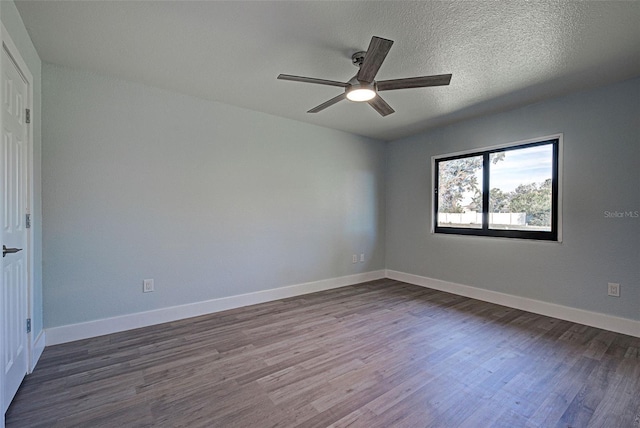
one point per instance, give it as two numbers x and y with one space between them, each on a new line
601 173
207 199
213 201
13 23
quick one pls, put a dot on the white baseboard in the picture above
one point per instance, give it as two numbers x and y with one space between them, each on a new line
85 330
36 349
581 316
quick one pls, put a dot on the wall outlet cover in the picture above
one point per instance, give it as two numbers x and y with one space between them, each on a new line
613 289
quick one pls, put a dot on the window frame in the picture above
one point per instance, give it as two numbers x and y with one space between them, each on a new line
555 235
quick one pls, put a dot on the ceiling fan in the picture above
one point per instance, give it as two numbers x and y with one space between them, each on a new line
363 87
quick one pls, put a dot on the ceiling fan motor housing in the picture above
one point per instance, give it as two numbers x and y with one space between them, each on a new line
358 58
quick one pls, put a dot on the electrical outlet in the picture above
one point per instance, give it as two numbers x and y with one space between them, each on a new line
354 259
613 289
147 286
362 257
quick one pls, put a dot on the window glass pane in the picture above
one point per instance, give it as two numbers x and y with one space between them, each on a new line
520 189
460 192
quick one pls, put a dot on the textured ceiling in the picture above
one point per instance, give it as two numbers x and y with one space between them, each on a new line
501 54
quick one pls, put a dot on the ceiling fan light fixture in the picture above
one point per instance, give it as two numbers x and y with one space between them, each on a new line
361 92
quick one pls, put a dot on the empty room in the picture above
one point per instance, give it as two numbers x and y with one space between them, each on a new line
320 214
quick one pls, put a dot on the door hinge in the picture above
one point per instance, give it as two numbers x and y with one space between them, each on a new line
28 119
28 325
27 222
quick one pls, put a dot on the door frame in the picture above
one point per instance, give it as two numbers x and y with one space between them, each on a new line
9 46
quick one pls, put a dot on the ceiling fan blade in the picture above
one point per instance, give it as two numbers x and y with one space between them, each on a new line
312 80
414 82
329 103
376 53
381 106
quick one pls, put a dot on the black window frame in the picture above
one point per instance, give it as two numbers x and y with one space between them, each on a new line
553 235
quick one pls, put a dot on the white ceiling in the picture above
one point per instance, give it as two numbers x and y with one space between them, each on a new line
501 54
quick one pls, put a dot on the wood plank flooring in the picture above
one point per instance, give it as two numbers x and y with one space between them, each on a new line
378 354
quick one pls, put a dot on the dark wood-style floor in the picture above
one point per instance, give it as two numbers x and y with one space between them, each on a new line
379 354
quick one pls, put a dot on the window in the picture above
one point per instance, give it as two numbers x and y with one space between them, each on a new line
507 191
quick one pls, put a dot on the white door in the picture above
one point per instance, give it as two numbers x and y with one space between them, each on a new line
13 186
